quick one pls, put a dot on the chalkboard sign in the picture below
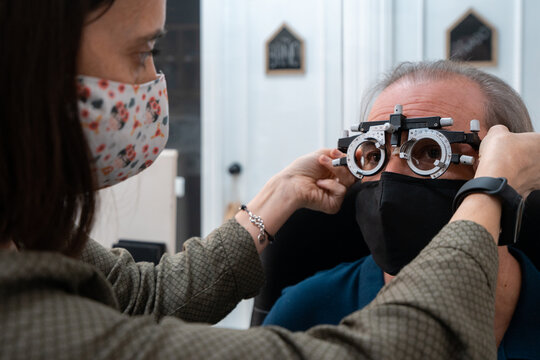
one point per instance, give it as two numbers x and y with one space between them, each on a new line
472 39
284 52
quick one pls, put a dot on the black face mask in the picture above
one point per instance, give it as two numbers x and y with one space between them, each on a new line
399 215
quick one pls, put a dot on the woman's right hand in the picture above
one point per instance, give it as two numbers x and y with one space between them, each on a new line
315 183
309 182
515 156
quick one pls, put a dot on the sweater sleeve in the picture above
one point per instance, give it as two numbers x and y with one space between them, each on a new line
441 306
202 283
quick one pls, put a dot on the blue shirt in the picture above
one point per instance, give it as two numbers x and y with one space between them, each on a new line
329 296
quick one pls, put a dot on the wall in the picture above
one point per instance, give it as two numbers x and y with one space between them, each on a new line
530 75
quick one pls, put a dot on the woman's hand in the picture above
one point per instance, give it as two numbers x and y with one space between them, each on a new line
514 156
315 183
309 182
502 154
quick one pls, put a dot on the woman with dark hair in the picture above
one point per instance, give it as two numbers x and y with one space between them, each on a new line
77 78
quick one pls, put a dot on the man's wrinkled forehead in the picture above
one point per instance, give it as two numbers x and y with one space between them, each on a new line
456 97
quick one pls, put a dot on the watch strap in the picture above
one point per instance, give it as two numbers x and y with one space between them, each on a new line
512 204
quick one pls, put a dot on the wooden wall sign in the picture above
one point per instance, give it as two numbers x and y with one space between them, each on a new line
285 52
472 39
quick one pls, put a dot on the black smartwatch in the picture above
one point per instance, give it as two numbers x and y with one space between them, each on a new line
512 204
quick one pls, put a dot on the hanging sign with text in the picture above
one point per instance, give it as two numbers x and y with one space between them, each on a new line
285 52
472 39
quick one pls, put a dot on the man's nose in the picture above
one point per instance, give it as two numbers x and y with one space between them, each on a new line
397 165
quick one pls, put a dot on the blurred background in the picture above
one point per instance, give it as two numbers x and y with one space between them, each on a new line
233 124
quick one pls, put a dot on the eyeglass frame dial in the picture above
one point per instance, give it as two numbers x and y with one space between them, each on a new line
376 133
439 166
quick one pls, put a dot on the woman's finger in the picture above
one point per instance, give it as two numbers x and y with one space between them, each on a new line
341 172
334 186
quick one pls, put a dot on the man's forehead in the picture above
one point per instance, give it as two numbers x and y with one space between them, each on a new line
458 98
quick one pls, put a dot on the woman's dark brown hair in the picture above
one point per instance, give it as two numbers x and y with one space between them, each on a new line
47 198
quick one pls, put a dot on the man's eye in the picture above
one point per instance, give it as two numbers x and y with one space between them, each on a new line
434 152
367 155
374 157
426 156
369 161
426 153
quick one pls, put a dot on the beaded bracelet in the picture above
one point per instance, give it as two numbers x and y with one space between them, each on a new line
258 222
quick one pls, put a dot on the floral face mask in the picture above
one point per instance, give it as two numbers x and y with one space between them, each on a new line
126 125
